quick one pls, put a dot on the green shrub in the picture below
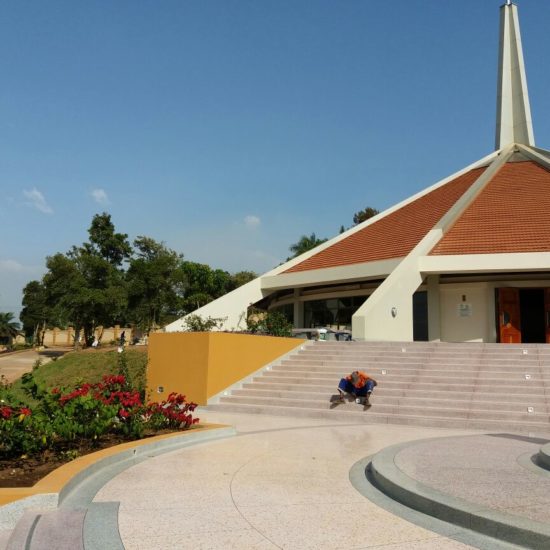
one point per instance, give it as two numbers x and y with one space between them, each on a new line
18 432
64 419
196 323
272 323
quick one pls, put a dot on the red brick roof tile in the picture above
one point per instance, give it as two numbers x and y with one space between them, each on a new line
511 214
396 234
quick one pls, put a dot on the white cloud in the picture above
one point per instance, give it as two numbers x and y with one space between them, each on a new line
10 266
100 196
252 221
37 200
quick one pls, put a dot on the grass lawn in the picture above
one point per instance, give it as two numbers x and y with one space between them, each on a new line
88 365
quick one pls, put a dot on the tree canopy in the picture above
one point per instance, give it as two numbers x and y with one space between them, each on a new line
35 313
107 281
364 215
156 284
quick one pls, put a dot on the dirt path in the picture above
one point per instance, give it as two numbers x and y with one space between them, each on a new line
14 365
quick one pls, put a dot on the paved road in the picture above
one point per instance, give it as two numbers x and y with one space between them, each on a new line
14 365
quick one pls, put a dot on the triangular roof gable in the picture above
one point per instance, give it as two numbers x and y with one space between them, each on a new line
510 214
396 234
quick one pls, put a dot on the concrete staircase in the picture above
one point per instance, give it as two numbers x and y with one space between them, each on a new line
478 386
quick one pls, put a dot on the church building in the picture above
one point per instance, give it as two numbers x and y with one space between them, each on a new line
465 260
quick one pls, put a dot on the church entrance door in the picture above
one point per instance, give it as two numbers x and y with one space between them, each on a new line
524 315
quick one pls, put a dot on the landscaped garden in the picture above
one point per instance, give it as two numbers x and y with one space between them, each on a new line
80 403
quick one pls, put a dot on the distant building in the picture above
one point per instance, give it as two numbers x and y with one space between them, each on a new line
467 259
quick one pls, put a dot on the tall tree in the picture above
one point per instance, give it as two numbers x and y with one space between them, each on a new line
86 286
203 284
364 215
241 278
105 242
36 316
304 244
156 284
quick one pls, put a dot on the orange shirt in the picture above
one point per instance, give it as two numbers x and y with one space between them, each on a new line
360 379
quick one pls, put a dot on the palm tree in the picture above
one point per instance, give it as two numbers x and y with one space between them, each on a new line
9 328
305 243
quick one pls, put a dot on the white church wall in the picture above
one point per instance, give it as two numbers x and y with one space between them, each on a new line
388 313
465 312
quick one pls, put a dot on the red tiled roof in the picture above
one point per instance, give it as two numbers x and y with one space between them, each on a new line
396 234
511 214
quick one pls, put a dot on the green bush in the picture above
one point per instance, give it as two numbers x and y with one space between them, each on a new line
196 323
272 323
18 432
65 419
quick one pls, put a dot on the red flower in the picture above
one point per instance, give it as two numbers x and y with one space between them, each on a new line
5 412
25 411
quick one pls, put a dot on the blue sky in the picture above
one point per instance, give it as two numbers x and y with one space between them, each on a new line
228 129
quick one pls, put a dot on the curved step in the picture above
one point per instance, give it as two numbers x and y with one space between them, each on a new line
387 477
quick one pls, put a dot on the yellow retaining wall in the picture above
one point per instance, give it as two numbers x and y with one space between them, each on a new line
202 364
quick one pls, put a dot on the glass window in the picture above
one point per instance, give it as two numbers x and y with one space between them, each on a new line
287 310
332 312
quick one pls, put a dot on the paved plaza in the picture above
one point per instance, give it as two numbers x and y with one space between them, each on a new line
273 482
280 483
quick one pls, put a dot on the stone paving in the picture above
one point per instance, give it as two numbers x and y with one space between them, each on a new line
285 483
280 483
483 470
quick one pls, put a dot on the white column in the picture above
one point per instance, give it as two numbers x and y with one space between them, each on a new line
298 309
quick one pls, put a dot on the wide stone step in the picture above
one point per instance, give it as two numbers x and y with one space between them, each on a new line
428 360
453 357
407 410
437 370
395 383
426 352
371 417
450 402
421 377
447 362
383 390
504 348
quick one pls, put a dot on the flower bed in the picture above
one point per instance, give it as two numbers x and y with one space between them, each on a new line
69 422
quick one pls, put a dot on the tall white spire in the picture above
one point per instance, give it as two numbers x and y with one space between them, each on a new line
514 124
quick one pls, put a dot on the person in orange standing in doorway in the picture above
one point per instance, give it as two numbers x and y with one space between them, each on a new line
358 384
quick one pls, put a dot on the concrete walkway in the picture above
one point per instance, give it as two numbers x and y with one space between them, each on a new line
284 483
280 483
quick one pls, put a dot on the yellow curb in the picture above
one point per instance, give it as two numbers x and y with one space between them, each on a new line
56 480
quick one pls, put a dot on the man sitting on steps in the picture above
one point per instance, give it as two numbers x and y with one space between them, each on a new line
358 384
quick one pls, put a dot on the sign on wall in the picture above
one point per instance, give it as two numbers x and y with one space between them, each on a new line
464 309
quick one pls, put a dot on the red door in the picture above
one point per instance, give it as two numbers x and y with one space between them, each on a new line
547 313
509 316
